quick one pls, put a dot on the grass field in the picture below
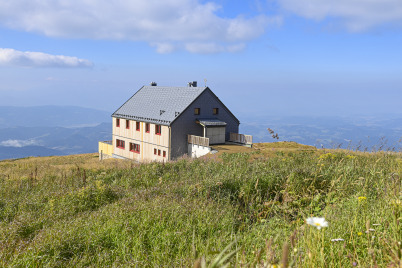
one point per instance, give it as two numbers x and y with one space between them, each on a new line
75 211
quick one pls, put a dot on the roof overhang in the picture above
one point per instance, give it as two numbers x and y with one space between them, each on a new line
211 122
142 119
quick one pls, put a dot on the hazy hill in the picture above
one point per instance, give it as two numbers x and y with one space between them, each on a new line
358 132
16 142
51 130
60 130
51 116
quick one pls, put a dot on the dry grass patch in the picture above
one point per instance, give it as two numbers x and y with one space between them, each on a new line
229 148
38 167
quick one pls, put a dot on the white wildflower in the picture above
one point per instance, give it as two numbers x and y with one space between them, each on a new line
337 240
317 222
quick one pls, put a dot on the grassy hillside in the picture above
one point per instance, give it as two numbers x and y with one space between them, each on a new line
76 211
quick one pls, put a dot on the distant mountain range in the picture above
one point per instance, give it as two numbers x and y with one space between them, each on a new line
51 116
63 130
369 133
51 130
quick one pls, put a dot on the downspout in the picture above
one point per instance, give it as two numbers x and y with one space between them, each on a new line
142 141
170 143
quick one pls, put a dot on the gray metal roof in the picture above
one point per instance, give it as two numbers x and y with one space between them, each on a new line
211 122
158 105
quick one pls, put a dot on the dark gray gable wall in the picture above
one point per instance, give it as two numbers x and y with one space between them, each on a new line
185 122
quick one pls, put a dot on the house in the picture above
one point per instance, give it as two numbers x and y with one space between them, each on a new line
157 123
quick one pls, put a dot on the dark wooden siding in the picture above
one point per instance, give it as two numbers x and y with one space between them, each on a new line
185 123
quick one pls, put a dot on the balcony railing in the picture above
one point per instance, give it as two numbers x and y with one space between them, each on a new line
241 138
198 140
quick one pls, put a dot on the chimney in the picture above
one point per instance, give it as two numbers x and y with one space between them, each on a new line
153 84
192 84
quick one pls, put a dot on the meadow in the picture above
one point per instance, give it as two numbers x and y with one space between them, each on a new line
250 208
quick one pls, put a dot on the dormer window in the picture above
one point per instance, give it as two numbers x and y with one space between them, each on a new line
197 111
117 122
215 111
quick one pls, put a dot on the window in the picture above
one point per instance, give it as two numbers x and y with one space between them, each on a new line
159 152
197 111
164 153
137 126
134 147
215 111
155 151
158 129
119 144
117 122
147 127
127 124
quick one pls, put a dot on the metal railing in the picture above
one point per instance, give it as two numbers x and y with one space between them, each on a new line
198 140
241 138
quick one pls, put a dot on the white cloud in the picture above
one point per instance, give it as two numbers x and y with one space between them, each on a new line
168 25
355 15
18 143
164 48
13 57
211 47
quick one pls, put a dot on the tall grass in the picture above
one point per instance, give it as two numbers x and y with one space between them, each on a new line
75 211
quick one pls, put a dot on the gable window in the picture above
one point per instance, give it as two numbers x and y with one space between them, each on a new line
119 144
137 126
147 127
158 129
197 111
215 111
117 122
127 124
134 147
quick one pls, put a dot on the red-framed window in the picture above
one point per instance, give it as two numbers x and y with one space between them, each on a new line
120 144
159 152
147 127
158 129
155 151
164 153
134 148
197 111
137 126
215 110
117 122
128 124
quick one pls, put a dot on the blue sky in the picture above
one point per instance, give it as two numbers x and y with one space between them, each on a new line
277 57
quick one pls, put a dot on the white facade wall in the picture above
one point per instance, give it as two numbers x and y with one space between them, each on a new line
195 150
